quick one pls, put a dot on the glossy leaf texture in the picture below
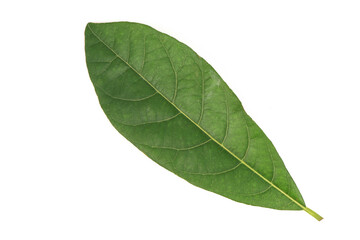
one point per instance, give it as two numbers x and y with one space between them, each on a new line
174 107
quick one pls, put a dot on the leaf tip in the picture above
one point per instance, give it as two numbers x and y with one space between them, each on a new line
89 24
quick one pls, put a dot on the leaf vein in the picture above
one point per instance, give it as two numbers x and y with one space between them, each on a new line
178 149
173 68
125 99
145 123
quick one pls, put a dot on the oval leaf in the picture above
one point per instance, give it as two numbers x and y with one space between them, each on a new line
173 106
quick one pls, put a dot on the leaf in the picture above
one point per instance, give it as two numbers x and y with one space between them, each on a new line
174 107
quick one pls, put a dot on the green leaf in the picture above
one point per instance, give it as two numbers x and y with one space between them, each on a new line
174 107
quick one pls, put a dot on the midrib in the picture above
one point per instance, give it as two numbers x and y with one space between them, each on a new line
308 210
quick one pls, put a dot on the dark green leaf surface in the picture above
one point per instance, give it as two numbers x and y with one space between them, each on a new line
173 106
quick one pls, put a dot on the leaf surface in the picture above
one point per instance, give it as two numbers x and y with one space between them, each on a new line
173 106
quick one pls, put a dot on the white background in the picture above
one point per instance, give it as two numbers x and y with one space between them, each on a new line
66 173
